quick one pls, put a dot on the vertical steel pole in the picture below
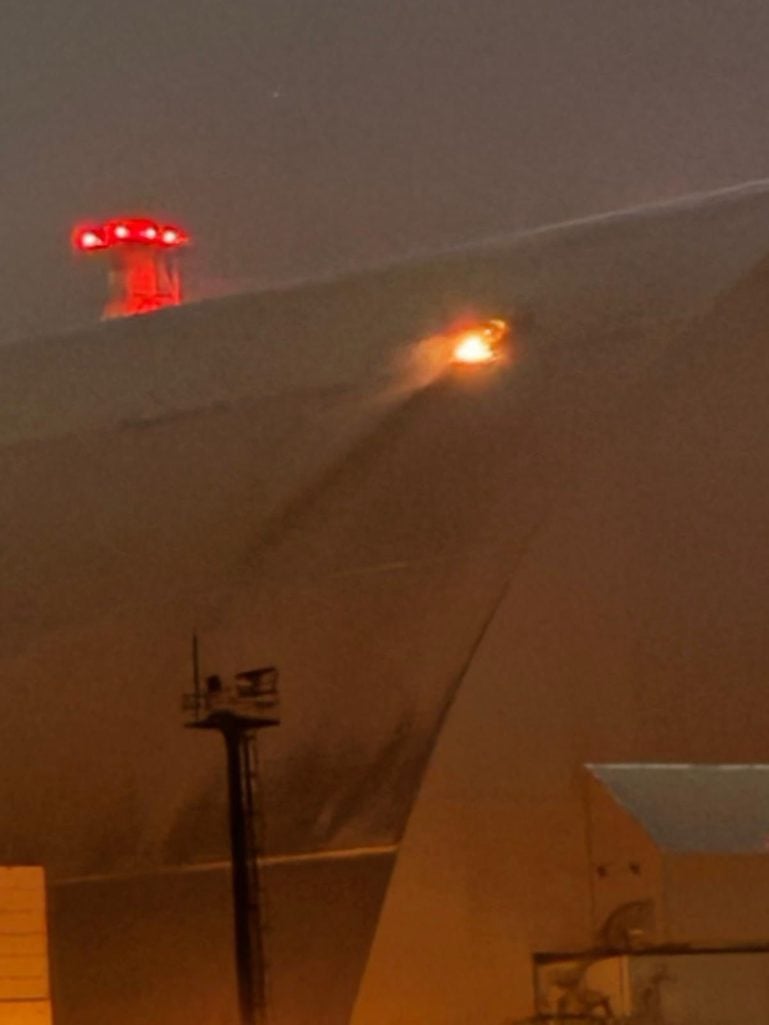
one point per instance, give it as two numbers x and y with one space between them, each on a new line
259 696
233 738
251 796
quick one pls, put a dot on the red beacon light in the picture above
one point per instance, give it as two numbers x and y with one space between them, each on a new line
143 272
87 239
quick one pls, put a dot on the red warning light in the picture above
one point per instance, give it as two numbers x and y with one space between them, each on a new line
88 238
127 232
144 273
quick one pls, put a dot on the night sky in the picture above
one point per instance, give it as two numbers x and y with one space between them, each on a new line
298 137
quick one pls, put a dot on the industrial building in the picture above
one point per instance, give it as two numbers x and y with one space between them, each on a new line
519 612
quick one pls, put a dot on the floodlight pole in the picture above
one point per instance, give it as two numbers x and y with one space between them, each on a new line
246 898
238 715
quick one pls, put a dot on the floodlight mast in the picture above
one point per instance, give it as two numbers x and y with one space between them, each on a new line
143 269
238 710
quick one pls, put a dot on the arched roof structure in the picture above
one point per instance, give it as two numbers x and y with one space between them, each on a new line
474 587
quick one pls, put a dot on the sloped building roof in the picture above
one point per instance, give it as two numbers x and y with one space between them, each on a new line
472 588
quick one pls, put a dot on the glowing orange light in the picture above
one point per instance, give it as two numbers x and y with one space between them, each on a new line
121 231
170 236
473 348
480 344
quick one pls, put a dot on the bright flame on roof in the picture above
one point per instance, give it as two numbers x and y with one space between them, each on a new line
473 348
479 344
